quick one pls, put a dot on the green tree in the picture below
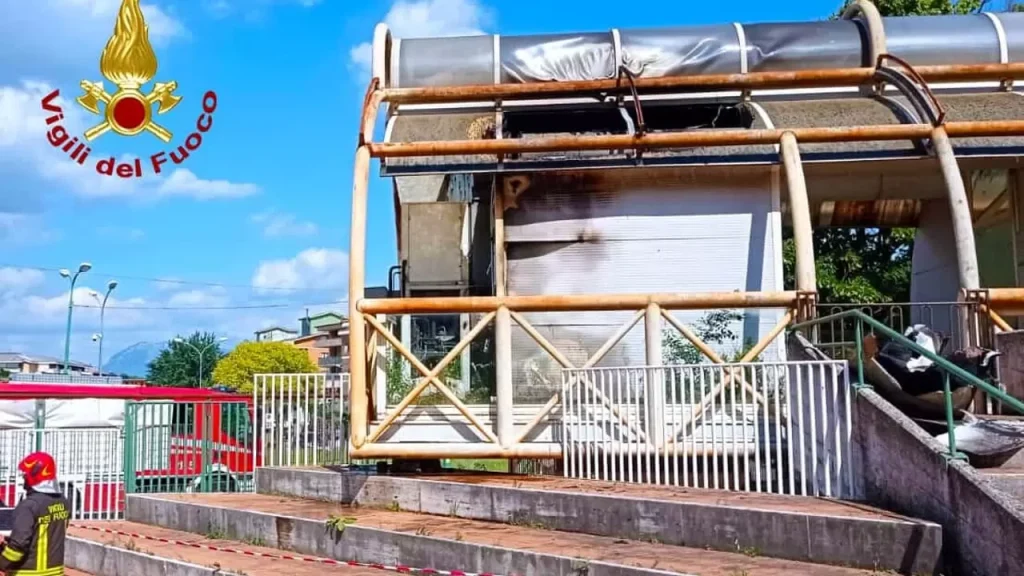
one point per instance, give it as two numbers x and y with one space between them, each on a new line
4 374
925 7
857 265
860 265
236 370
178 362
714 328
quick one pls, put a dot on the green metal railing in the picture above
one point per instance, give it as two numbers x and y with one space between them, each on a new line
188 447
949 370
960 322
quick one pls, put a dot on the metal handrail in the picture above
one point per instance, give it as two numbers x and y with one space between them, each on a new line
948 368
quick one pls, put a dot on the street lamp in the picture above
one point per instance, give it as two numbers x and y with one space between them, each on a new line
82 269
103 308
200 353
97 337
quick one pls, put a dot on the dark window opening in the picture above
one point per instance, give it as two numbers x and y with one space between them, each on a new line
564 121
667 118
183 419
609 120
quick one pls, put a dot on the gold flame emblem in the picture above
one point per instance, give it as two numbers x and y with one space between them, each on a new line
129 62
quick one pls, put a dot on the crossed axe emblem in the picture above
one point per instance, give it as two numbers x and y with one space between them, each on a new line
128 111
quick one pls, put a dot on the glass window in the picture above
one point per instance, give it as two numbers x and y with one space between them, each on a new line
433 336
183 418
235 422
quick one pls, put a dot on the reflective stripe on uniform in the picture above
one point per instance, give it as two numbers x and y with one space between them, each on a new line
55 571
12 555
43 549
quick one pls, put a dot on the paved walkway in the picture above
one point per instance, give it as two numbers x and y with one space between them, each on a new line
774 502
227 561
696 561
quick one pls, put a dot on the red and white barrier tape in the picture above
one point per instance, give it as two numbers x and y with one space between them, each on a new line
307 559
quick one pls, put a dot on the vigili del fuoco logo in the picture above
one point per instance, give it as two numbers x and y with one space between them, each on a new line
129 62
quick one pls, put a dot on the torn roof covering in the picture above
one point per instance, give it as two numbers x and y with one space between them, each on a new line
725 48
851 111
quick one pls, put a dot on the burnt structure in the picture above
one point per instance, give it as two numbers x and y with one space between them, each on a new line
554 191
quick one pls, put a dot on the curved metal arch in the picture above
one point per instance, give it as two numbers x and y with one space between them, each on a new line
876 27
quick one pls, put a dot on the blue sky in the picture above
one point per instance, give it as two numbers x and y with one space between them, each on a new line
257 217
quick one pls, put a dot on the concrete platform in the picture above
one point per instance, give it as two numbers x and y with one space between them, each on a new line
804 529
448 543
1009 480
116 555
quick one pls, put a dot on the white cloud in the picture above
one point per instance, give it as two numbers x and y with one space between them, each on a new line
32 320
362 57
26 153
162 26
15 281
183 182
200 298
50 311
67 36
250 9
33 306
276 225
315 268
426 18
18 229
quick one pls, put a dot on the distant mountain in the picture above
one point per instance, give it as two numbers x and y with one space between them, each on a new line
134 360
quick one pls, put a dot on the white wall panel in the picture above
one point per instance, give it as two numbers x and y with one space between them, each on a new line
650 231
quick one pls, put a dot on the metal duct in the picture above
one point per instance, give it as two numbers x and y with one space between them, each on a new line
805 46
660 52
726 48
925 41
444 61
1013 27
557 57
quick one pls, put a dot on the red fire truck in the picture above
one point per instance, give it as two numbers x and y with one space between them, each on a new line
113 439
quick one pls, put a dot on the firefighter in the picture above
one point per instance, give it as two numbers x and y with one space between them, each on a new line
36 544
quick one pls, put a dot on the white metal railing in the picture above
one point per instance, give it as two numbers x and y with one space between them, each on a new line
90 467
780 427
300 419
58 378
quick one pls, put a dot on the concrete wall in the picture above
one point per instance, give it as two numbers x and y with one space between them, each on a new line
934 270
997 265
95 558
906 471
1011 363
364 544
808 536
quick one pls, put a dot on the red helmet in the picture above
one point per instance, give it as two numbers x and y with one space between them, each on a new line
37 468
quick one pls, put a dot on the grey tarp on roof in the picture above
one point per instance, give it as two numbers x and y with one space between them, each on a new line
853 111
702 49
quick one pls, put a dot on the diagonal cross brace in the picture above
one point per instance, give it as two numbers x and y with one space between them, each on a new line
750 355
566 364
430 376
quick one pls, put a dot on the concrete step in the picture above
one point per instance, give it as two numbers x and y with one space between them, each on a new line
447 543
127 549
804 529
1009 480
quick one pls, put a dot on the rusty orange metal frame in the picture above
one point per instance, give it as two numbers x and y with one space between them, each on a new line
361 310
835 78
